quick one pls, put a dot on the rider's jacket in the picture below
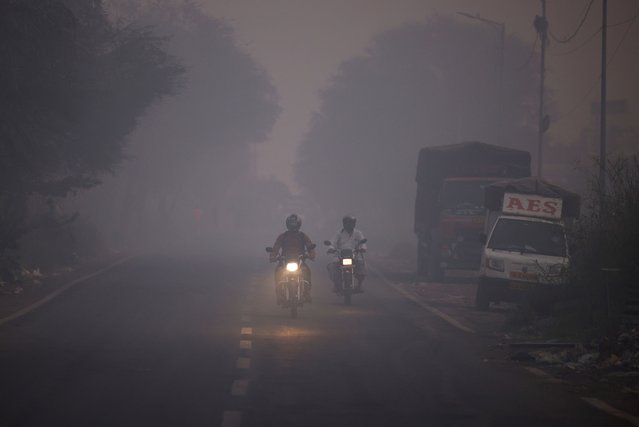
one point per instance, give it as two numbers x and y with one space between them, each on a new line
293 244
346 240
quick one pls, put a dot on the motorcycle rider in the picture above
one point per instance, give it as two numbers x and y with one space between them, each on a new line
292 244
349 238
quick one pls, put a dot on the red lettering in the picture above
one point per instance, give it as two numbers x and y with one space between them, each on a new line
550 207
514 203
533 205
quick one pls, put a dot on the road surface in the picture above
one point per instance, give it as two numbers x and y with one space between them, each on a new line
193 341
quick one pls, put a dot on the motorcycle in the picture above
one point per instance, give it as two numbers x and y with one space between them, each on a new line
346 262
291 288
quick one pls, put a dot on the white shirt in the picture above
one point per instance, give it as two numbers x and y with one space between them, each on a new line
344 240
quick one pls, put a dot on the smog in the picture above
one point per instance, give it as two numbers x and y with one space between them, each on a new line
319 213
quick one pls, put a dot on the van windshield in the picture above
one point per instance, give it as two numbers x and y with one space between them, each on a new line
541 238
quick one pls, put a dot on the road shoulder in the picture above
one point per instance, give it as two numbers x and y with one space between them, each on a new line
37 289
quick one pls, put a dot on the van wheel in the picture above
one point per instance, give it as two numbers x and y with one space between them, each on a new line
482 299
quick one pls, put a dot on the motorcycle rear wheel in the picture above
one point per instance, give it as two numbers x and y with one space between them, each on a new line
347 289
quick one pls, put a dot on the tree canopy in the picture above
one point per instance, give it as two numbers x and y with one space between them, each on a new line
196 147
72 88
422 84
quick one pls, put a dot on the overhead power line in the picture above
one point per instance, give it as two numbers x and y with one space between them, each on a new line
592 87
581 23
592 36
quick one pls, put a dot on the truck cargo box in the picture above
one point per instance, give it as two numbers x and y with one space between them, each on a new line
466 159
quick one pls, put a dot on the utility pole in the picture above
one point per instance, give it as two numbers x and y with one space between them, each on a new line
501 26
541 25
602 124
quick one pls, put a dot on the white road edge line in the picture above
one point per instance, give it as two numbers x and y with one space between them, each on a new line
231 419
603 406
59 291
433 310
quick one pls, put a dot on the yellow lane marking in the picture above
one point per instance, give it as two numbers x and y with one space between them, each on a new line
56 293
603 406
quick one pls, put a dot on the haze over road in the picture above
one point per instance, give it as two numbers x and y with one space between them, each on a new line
177 340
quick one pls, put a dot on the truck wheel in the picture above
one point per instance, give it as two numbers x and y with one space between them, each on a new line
435 271
422 259
482 298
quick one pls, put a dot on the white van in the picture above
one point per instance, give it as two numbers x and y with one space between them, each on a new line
525 255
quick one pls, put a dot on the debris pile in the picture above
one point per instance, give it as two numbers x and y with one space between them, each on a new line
612 360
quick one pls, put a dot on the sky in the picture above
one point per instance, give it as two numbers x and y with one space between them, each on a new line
301 44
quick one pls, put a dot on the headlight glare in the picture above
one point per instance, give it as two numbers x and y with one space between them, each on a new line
292 266
347 261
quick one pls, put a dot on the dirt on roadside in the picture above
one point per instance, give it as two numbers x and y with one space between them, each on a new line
34 285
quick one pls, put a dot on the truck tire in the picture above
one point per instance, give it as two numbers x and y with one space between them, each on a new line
435 271
422 258
482 297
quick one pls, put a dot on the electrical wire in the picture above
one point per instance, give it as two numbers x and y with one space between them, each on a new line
590 37
631 21
625 34
572 36
575 49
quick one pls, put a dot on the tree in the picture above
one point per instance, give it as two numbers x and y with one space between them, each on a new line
72 87
419 85
193 149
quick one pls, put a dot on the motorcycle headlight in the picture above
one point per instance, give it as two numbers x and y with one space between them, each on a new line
347 261
292 266
495 264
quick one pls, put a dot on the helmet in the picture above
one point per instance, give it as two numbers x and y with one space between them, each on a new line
293 222
349 222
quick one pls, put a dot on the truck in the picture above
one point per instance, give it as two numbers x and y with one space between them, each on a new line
449 210
525 256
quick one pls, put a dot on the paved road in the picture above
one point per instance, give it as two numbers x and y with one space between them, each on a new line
199 342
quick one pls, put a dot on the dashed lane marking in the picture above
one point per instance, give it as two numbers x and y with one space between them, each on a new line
433 310
246 344
231 419
246 331
603 406
59 291
243 363
239 388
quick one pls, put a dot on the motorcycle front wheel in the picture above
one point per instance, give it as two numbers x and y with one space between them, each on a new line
347 288
294 298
